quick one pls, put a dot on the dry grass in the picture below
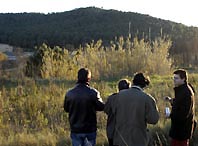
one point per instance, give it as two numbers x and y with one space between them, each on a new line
32 113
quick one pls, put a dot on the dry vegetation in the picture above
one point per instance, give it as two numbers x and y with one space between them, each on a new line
32 107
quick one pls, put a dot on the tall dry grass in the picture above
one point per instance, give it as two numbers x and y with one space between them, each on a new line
32 113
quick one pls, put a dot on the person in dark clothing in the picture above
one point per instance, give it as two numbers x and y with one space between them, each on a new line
183 110
81 103
123 84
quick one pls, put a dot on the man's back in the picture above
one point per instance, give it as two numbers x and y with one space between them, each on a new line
134 109
82 102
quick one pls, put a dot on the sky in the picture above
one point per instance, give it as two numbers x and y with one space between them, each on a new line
180 11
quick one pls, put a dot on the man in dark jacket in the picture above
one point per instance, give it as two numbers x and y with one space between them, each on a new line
183 110
81 103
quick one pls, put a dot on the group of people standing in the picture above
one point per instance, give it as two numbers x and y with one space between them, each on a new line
129 111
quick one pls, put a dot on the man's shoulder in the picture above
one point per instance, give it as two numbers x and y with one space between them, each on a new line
112 95
150 97
72 90
92 89
190 89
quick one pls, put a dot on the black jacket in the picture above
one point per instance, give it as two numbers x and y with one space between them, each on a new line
182 115
81 103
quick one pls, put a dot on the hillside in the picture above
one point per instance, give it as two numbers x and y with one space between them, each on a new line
72 28
75 27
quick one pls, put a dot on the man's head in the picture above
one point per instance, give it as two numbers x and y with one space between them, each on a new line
124 84
84 75
140 80
180 77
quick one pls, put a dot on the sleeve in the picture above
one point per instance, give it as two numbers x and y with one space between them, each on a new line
152 114
99 102
107 107
114 104
66 103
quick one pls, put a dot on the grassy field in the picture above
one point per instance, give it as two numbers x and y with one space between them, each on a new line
32 111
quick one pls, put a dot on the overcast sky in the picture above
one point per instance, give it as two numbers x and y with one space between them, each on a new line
181 11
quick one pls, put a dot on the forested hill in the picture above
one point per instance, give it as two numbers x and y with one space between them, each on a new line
82 25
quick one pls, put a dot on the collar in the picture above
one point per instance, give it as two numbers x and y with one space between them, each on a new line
137 87
181 86
83 83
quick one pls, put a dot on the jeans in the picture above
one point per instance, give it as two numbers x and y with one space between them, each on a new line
83 139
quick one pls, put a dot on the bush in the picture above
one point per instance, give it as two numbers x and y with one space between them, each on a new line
122 58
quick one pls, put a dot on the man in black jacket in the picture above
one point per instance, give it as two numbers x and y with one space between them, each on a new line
81 103
183 110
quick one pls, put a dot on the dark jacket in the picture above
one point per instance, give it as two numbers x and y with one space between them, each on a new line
81 103
182 115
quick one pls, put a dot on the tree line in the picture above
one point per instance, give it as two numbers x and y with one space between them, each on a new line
71 29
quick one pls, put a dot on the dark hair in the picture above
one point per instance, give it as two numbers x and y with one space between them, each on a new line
140 80
182 73
124 84
83 74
